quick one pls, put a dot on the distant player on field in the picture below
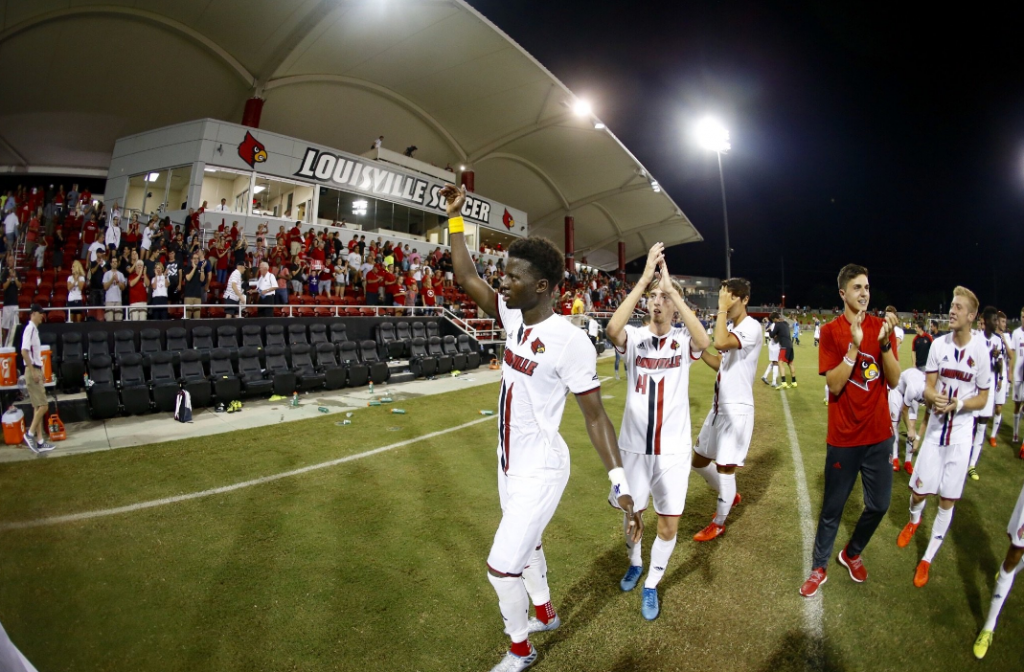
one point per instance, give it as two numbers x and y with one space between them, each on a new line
1005 376
1012 564
959 376
1017 343
773 353
786 353
904 401
655 436
857 360
921 344
725 436
817 331
994 346
545 357
898 330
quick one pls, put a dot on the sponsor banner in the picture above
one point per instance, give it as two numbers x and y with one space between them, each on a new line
355 174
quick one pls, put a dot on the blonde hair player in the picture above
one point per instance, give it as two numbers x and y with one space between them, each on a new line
654 439
959 376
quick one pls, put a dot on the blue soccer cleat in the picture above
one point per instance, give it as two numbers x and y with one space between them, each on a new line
649 607
631 578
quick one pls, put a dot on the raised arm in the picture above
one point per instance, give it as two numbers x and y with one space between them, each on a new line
698 336
602 435
462 261
616 329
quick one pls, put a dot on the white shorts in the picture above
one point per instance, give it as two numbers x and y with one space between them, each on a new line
9 317
941 470
1001 394
663 478
895 407
527 505
773 351
1015 529
448 275
725 436
1018 390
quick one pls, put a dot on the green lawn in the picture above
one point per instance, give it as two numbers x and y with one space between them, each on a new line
378 563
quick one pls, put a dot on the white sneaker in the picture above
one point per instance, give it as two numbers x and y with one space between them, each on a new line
537 625
30 441
513 663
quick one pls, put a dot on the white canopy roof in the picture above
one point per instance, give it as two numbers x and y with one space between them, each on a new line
78 74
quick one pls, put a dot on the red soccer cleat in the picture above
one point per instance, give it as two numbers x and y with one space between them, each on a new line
906 534
909 468
737 499
815 581
992 441
895 464
921 575
710 532
854 564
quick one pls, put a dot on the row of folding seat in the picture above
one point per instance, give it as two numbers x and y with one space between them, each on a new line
394 338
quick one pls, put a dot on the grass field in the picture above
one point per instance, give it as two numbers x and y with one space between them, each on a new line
378 563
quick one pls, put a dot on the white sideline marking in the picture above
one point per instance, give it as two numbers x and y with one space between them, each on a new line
812 606
85 515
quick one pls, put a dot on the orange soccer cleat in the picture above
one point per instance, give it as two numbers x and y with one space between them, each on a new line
906 534
909 468
921 575
895 464
992 441
710 532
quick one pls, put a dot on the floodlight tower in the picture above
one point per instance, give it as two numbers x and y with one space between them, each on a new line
711 135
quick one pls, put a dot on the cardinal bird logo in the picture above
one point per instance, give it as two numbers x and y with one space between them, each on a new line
537 346
252 150
508 220
1020 532
675 344
970 362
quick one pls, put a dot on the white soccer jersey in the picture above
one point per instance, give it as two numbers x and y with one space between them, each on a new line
898 330
817 332
961 373
993 344
542 361
657 417
1017 343
735 381
911 387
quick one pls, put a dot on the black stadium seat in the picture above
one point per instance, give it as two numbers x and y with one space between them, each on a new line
124 344
379 371
254 383
403 332
297 335
420 363
226 385
434 349
326 361
450 348
227 338
279 371
149 345
388 345
193 379
433 329
468 347
103 401
306 375
98 344
317 334
419 330
339 334
358 371
202 342
176 343
252 336
72 361
134 389
275 336
163 381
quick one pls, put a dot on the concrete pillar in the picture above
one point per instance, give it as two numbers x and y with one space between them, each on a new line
622 260
467 179
570 244
253 110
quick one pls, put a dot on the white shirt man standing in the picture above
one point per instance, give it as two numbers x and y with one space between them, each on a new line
113 283
32 353
266 285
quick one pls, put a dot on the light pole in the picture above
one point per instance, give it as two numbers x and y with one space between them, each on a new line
714 137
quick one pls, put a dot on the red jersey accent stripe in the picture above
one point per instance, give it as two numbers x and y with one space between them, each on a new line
657 428
582 394
508 422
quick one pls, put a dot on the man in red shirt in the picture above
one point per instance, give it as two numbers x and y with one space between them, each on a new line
857 358
391 286
295 239
372 280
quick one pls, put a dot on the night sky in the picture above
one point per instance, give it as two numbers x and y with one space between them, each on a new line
859 135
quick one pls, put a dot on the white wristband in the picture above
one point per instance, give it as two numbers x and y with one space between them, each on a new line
959 405
619 485
849 361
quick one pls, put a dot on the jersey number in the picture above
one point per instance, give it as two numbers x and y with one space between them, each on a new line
641 384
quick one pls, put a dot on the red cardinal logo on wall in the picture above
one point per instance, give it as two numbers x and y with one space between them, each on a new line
508 220
537 346
252 150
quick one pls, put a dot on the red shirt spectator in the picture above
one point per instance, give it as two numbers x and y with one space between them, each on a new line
567 307
89 232
391 283
294 235
398 255
234 233
372 281
137 293
860 415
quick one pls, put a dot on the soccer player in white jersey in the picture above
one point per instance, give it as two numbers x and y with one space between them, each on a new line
898 330
994 345
655 435
904 400
959 376
817 331
1012 564
773 353
725 436
1017 356
1005 381
545 357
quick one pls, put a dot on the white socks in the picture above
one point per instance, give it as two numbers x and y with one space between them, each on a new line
916 510
768 370
996 421
1004 582
896 441
1016 424
979 439
633 550
661 551
775 374
939 528
710 474
514 604
910 449
535 577
726 493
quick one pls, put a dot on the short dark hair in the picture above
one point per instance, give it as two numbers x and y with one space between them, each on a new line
774 316
1001 315
738 287
891 309
542 254
849 272
989 311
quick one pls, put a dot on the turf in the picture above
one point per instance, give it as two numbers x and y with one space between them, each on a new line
378 563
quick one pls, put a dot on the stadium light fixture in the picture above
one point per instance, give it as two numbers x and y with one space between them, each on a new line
582 108
713 136
152 177
599 125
